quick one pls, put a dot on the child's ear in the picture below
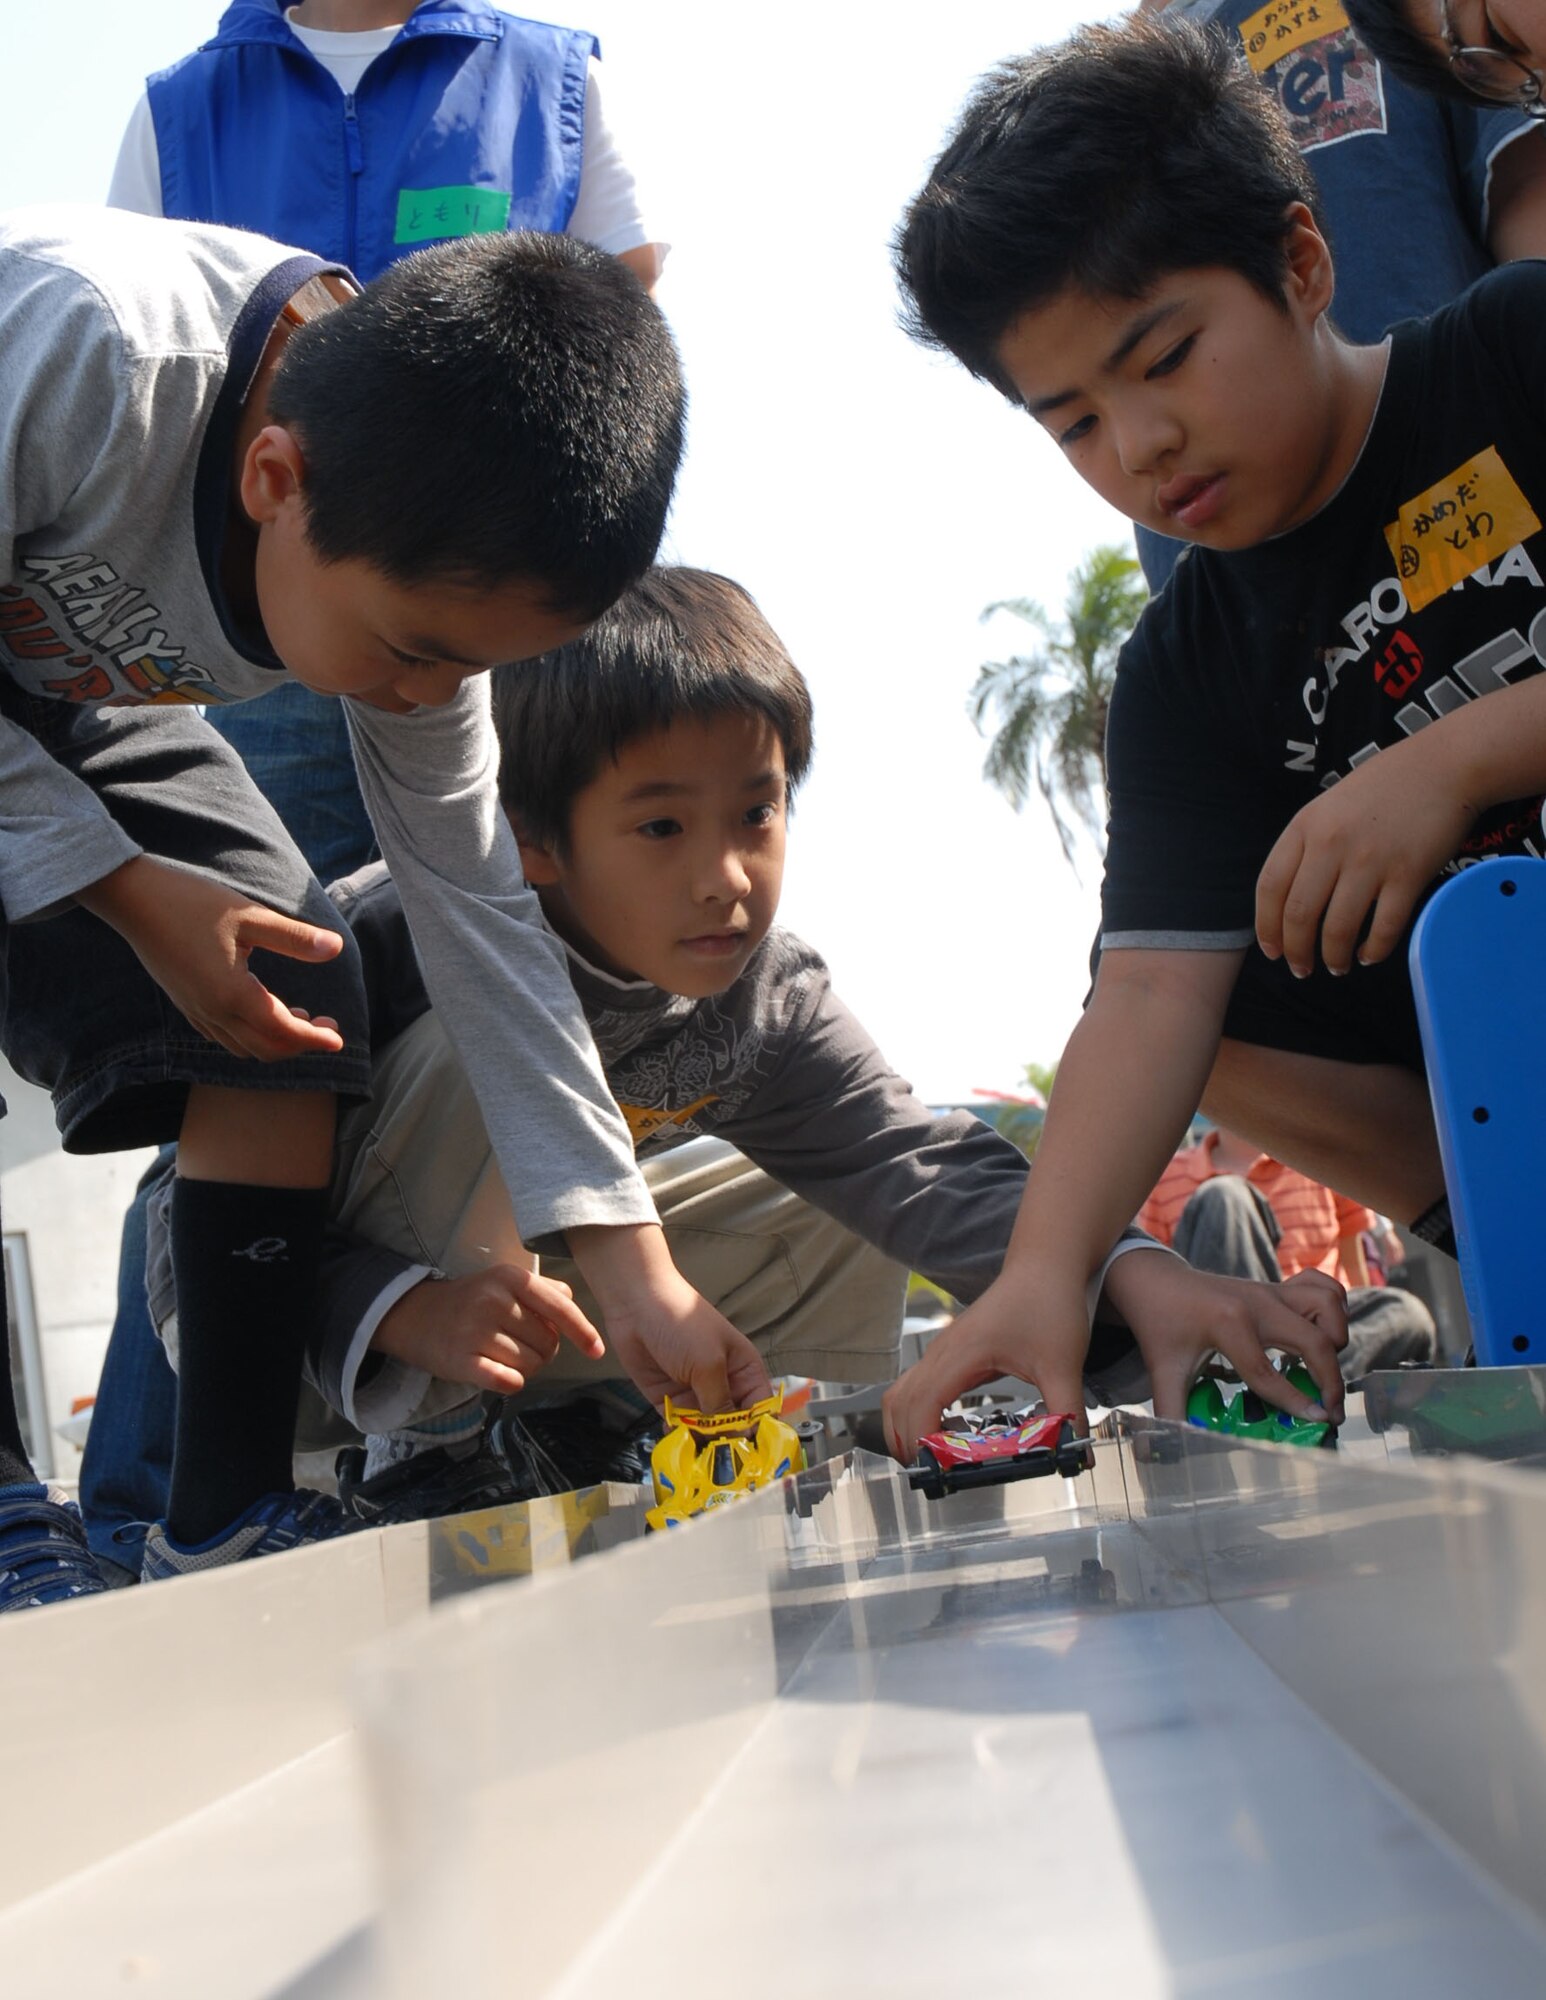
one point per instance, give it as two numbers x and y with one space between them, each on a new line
1311 276
537 862
273 473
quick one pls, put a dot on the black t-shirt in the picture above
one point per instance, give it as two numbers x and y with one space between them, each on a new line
1256 679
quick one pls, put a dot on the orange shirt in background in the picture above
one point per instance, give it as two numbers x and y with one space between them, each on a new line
1311 1217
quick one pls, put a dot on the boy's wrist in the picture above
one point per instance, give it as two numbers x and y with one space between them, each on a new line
112 896
622 1263
1486 753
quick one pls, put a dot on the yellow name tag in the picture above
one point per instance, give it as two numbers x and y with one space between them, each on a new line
643 1121
1279 28
1449 532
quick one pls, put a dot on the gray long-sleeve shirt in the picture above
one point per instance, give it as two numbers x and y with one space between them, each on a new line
126 348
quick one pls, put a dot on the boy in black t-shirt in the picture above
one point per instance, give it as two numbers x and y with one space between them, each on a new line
1123 239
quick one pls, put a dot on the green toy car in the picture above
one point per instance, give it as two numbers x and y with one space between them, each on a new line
1247 1416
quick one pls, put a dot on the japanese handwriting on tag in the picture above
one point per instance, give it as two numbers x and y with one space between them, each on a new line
645 1120
428 215
1282 26
1449 532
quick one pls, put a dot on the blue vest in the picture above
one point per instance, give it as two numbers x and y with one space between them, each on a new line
471 121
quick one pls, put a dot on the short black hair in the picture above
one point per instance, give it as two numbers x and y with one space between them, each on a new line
1103 164
500 409
1386 31
680 642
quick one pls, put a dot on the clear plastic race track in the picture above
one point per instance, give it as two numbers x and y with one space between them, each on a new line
1212 1718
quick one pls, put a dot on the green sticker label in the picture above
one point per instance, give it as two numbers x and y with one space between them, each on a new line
424 215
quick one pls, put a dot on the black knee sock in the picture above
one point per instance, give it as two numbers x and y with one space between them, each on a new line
15 1466
245 1260
1435 1228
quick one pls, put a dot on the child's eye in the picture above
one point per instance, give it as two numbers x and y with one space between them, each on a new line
763 815
1169 362
1076 431
659 829
410 659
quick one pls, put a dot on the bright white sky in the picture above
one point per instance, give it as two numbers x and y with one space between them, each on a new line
871 496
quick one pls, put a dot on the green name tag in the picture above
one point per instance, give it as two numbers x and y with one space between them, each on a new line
424 215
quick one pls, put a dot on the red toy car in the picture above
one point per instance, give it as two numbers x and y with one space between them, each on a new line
991 1450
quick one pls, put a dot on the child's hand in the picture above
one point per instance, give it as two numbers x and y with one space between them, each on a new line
194 938
492 1329
667 1336
1374 841
1038 1332
1179 1316
686 1349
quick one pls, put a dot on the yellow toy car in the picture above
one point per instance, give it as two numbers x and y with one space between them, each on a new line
702 1462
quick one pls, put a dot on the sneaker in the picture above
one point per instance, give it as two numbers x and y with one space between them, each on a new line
277 1522
44 1558
556 1448
603 1434
441 1479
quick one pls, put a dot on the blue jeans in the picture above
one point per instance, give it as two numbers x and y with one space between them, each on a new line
296 746
127 1470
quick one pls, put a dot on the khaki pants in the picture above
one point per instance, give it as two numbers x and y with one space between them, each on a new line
416 1173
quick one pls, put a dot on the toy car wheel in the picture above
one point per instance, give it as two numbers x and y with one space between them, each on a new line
1073 1454
925 1478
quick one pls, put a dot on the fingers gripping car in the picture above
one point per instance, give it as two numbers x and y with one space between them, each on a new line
703 1461
1247 1416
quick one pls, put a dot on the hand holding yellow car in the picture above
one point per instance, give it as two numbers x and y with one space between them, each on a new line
703 1461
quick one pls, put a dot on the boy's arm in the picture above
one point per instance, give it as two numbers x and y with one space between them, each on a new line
397 1336
1375 841
58 393
56 836
1128 1083
833 1122
496 976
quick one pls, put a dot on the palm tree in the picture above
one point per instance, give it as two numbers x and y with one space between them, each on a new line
1051 702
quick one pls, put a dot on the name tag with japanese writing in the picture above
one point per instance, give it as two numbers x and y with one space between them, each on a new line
1462 522
1282 26
645 1120
426 215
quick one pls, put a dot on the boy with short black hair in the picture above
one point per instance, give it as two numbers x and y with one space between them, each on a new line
223 464
1123 239
648 767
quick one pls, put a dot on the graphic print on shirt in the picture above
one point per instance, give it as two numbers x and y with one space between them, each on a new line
1307 55
1414 670
660 1089
75 631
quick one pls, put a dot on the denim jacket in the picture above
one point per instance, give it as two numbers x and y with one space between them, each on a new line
471 121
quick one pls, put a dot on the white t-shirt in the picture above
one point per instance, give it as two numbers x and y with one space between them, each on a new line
607 211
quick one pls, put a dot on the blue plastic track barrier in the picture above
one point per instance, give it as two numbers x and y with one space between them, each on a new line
1479 974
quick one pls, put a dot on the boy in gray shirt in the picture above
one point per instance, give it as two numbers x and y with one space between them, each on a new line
221 464
647 770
